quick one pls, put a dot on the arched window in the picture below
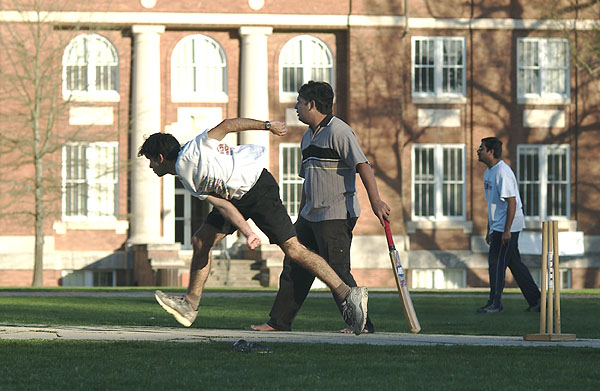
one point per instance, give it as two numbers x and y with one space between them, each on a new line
198 70
303 58
90 69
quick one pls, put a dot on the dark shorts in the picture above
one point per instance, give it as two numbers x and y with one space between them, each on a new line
263 205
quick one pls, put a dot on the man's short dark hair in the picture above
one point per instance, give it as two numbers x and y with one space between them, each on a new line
160 144
493 143
319 91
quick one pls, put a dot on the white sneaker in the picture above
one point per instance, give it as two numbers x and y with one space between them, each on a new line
178 307
354 308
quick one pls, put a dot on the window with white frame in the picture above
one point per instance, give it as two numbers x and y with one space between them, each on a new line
90 180
438 67
438 178
302 59
198 70
543 68
544 180
190 213
439 278
90 69
89 277
290 159
564 281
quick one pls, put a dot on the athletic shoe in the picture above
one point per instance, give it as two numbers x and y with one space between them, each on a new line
533 308
493 309
354 308
481 310
178 307
490 309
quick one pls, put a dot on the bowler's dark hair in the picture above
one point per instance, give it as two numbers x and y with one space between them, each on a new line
160 144
319 91
493 143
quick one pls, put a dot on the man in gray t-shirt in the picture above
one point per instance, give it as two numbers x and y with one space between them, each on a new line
331 157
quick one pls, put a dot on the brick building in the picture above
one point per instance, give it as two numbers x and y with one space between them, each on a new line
420 82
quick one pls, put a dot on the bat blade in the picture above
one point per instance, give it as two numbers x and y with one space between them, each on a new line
404 293
407 304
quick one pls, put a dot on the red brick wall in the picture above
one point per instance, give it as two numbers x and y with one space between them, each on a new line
311 7
25 277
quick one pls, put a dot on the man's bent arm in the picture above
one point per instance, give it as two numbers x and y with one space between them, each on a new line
231 213
510 215
235 125
302 200
380 208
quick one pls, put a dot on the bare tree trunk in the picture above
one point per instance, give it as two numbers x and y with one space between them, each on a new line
38 155
38 262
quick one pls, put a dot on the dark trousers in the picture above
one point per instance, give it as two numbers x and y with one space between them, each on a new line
500 257
331 239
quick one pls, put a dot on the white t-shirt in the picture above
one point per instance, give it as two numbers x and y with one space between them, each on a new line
207 166
500 183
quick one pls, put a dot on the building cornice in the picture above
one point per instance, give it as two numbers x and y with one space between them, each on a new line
289 21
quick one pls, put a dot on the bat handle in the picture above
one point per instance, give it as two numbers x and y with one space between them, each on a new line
388 234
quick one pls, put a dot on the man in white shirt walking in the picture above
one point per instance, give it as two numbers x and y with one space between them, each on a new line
505 223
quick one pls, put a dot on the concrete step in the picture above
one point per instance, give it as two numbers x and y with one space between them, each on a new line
242 273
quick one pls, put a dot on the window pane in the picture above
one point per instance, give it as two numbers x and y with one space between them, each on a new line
105 59
556 67
528 67
199 67
529 180
75 181
90 64
424 181
557 187
453 185
452 66
76 78
543 67
424 65
305 58
90 180
291 183
102 179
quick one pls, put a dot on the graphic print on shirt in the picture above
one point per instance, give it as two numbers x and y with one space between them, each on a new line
225 149
210 185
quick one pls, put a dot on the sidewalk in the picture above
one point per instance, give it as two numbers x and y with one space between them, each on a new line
112 333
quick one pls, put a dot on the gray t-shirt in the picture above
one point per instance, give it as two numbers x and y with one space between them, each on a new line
329 158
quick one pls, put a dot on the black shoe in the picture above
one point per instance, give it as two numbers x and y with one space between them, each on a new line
533 308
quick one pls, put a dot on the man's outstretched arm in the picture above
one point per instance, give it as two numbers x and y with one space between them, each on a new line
235 125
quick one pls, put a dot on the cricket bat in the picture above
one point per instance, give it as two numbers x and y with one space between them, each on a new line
409 310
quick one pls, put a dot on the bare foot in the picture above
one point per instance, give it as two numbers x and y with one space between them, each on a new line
262 327
348 330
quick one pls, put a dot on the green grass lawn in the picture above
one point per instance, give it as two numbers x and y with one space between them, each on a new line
71 365
91 365
446 314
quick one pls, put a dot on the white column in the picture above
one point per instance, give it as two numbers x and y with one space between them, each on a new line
145 185
254 87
